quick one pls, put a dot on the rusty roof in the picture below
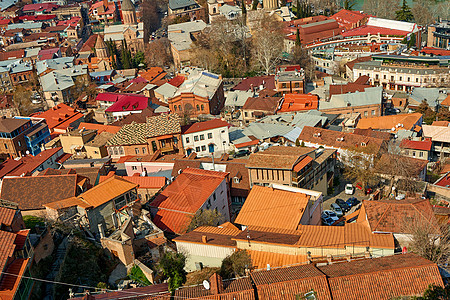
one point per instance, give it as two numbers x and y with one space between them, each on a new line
391 215
33 192
270 207
277 157
393 276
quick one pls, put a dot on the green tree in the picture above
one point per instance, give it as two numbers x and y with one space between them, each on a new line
205 217
172 265
235 264
297 143
436 292
348 4
126 56
429 115
255 4
138 59
299 12
404 14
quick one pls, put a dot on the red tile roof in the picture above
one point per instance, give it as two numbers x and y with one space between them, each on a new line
177 81
345 16
30 163
147 182
365 30
11 281
37 18
60 117
8 166
337 89
435 51
184 197
12 54
207 125
424 145
268 104
444 181
39 7
153 74
7 216
299 102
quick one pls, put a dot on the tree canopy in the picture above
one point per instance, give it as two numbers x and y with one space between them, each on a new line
404 14
172 265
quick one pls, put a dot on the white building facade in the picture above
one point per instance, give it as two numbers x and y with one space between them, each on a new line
205 138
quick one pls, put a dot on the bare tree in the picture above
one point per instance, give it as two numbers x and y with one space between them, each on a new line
383 9
158 53
150 17
300 56
428 238
267 42
422 12
359 167
205 217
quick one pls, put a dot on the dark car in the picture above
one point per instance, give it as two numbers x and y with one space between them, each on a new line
241 153
352 201
343 205
327 221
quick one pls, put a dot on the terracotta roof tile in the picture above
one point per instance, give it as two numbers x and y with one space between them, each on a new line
237 289
34 192
373 133
100 127
388 215
342 140
277 157
30 163
417 145
413 166
207 125
7 216
408 121
270 207
287 283
147 182
215 237
393 276
254 82
299 102
261 259
269 104
60 116
184 197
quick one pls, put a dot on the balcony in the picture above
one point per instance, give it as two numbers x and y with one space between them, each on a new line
168 148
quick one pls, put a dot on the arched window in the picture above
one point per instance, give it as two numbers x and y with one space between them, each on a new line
203 107
179 107
175 107
198 107
214 10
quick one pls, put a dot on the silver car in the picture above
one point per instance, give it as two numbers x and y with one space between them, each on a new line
337 210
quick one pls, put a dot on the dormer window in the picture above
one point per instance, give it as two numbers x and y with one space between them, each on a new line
363 144
236 180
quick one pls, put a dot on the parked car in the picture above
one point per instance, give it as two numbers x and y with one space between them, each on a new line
241 153
337 210
330 214
352 201
343 205
327 221
400 197
349 189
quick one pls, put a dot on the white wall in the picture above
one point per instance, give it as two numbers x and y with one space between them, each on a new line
219 136
221 203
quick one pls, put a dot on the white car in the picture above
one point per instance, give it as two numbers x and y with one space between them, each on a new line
337 210
349 189
330 214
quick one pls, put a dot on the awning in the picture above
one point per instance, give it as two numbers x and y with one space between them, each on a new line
305 161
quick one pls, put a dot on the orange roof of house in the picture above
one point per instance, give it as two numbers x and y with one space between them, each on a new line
389 215
100 127
7 216
98 195
303 163
206 125
10 281
59 117
299 102
184 197
260 259
274 208
7 246
381 278
153 74
446 101
440 123
215 236
147 182
408 121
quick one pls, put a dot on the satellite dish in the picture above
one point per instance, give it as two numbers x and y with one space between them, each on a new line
206 284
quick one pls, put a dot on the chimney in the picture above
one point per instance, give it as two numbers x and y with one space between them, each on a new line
309 257
216 284
348 256
329 259
367 253
204 239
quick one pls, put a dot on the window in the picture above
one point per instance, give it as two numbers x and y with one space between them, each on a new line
373 112
245 114
187 139
6 147
376 76
136 150
134 168
198 107
400 78
175 107
196 138
209 135
121 151
236 179
409 79
203 148
384 76
208 204
203 107
414 153
202 137
143 150
365 113
214 196
417 79
392 78
197 149
179 107
420 154
19 143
